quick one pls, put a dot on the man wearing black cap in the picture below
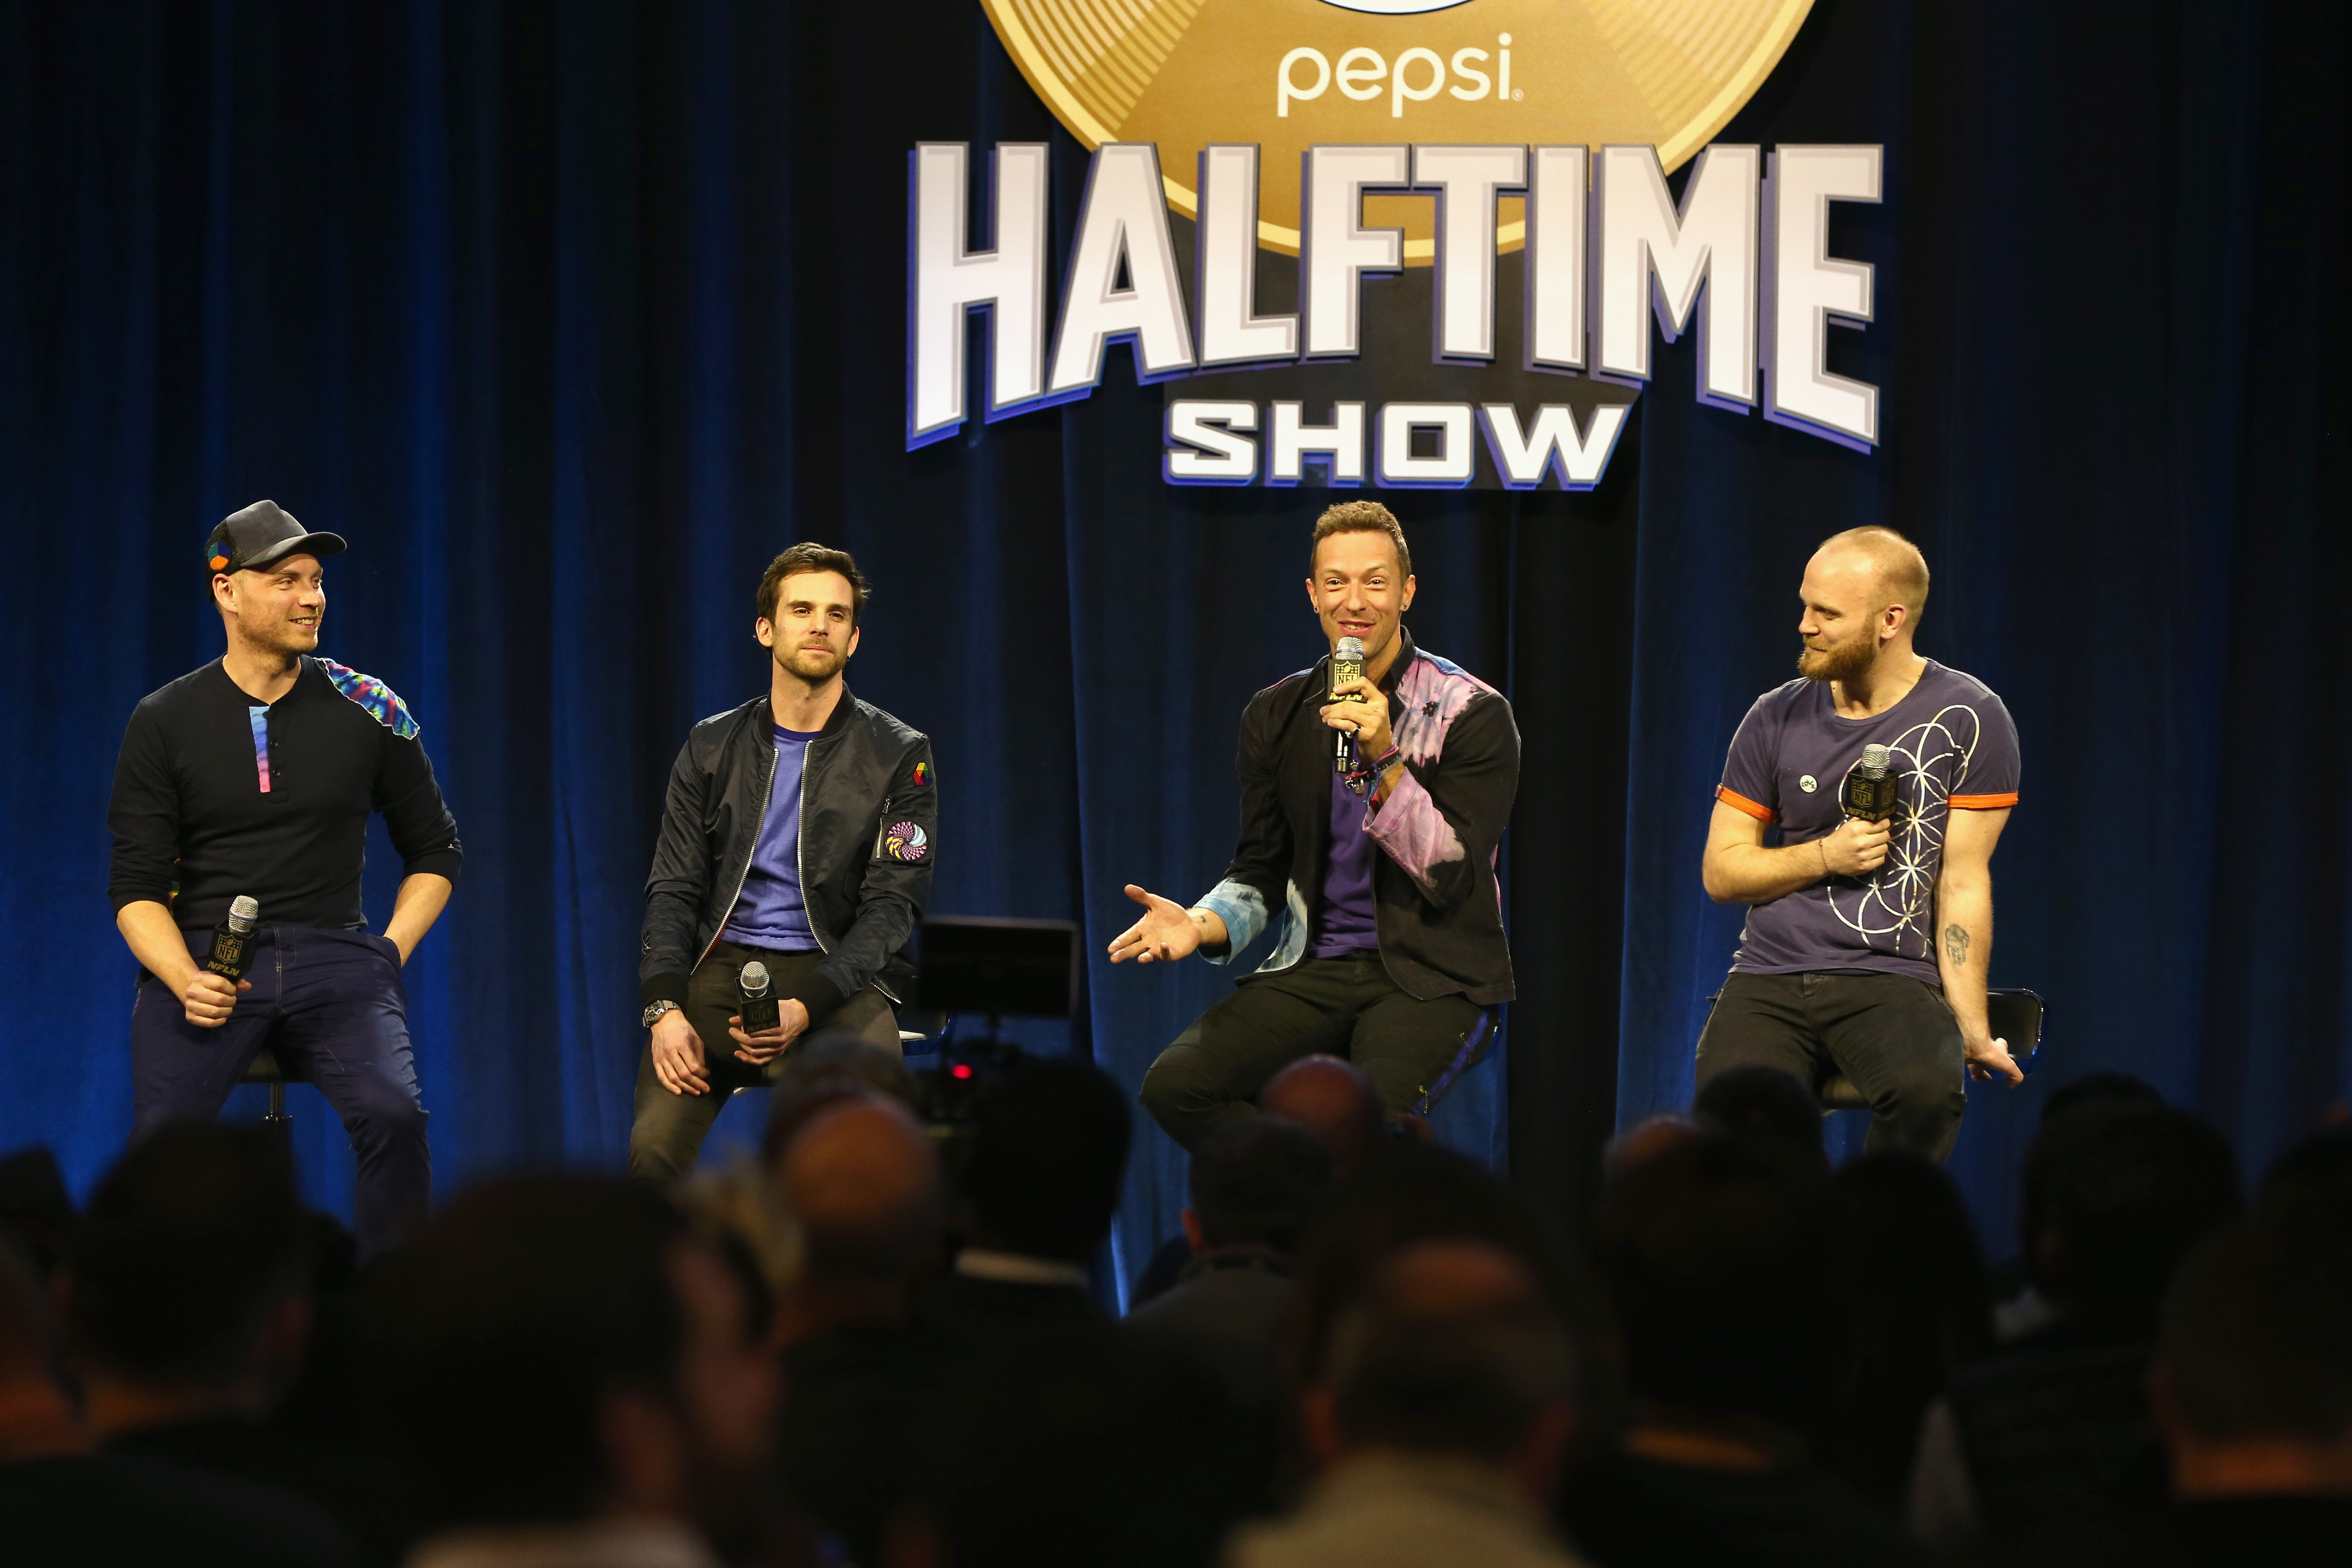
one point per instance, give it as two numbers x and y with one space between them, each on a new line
254 777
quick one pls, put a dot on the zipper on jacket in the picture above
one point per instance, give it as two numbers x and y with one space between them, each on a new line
768 768
800 865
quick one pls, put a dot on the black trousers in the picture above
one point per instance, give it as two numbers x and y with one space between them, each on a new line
1891 1036
1411 1050
669 1128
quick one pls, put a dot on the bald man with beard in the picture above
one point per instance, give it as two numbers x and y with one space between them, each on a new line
1866 943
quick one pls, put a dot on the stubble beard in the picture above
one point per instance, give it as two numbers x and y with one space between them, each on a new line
1842 662
281 639
794 664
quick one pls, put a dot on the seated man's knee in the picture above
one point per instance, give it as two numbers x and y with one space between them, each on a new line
1185 1092
1172 1085
388 1118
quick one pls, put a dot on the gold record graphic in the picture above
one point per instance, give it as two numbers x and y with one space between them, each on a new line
1186 73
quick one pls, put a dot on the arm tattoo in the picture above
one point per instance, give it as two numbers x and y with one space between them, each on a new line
1956 944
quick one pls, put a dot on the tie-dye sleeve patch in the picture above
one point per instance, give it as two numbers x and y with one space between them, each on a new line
381 701
1414 832
1429 696
1241 909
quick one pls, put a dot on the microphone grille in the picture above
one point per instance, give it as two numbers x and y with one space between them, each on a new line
243 908
755 977
1877 759
1350 649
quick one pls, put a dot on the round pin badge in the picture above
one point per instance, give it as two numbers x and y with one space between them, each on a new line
1809 783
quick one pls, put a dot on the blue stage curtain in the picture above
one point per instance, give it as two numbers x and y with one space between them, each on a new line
572 314
569 317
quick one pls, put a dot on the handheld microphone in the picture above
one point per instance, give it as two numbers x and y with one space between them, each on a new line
1868 792
760 1010
1346 664
232 952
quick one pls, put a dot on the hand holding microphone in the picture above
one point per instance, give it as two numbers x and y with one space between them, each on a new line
1346 670
210 995
1855 847
765 1026
1859 845
1356 709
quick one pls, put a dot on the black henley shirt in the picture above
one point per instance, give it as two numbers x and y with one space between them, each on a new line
223 796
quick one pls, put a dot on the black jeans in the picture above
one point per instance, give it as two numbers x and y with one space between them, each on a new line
1891 1036
1412 1050
671 1127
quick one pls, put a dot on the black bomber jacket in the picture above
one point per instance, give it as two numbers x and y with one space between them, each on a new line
1436 903
870 834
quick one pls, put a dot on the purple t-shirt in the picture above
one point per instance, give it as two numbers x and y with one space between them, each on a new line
769 912
1955 750
1345 920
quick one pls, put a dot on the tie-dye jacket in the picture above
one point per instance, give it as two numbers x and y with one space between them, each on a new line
1438 909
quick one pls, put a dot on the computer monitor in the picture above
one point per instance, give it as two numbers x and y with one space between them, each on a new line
1003 968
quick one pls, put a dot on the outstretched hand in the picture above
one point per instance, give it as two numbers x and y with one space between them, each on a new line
1166 933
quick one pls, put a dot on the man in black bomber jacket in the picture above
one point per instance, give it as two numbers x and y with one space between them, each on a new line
1380 880
799 832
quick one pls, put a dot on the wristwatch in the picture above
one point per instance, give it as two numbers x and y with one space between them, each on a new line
654 1010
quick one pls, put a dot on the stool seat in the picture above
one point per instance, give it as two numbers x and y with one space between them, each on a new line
1839 1094
265 1067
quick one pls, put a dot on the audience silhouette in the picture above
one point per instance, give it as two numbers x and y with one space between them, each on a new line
893 1341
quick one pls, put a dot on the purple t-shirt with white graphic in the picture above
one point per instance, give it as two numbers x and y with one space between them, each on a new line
1955 750
1345 919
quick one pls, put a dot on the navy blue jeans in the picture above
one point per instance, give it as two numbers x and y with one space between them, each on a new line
330 1000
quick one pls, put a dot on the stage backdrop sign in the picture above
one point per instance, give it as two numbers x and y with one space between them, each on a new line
1499 165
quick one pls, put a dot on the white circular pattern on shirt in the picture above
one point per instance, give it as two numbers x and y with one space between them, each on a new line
1933 758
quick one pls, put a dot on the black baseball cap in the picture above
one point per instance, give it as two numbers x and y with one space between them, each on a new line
261 533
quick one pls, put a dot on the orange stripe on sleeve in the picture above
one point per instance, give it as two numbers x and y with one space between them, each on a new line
1738 802
1982 802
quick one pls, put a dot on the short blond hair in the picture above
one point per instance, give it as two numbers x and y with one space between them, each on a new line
1902 570
1360 517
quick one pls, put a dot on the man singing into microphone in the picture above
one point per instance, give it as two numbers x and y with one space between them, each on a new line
1867 943
1379 859
254 777
799 833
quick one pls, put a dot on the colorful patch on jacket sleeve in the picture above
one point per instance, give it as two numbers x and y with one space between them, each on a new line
382 703
922 775
1431 696
906 842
